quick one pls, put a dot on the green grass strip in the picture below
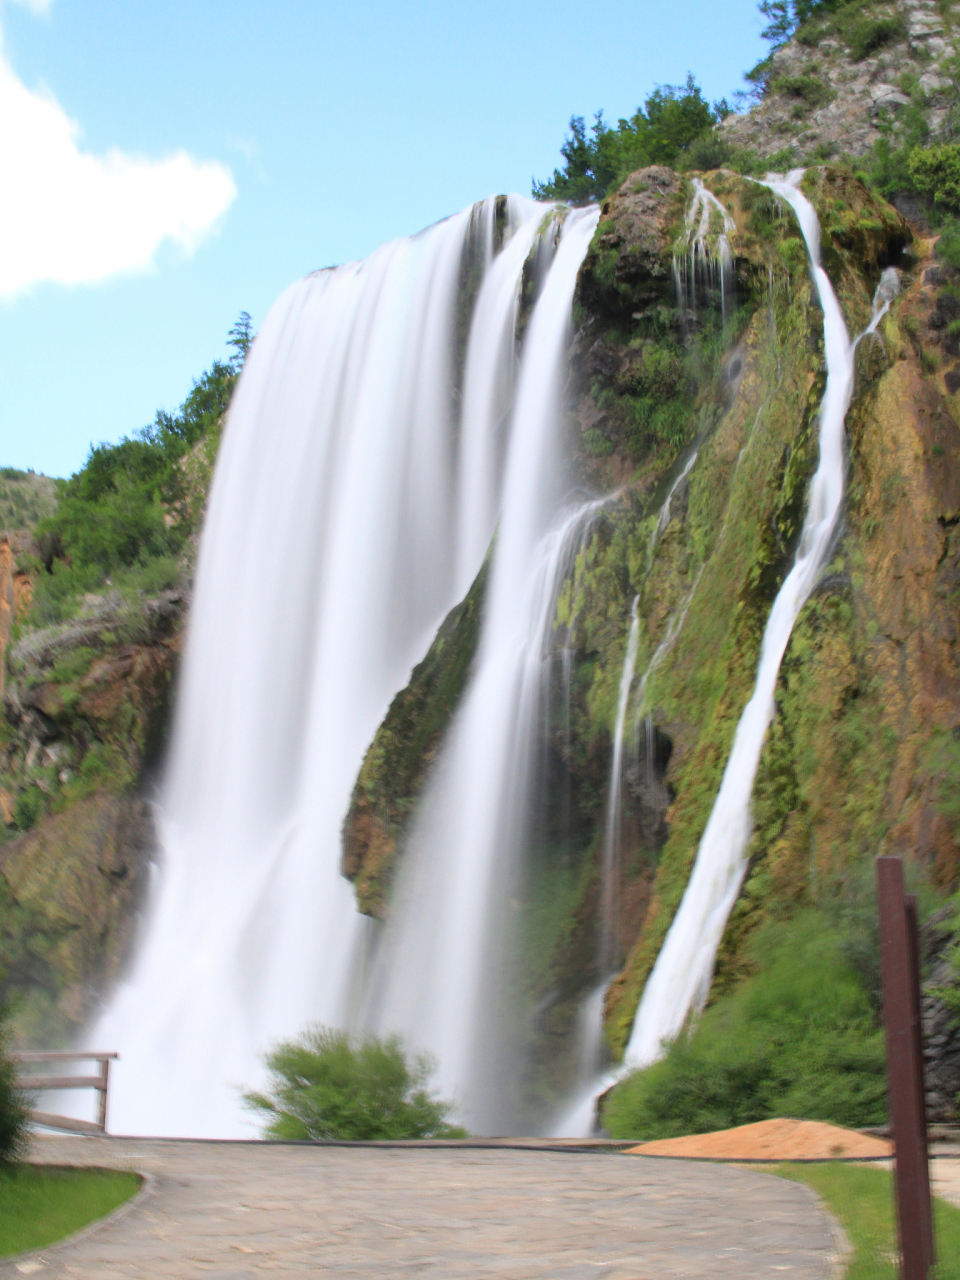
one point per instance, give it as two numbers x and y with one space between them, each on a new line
39 1205
861 1199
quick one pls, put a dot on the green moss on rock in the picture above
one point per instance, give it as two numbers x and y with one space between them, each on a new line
398 760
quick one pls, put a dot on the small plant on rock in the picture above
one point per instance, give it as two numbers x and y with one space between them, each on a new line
13 1106
330 1086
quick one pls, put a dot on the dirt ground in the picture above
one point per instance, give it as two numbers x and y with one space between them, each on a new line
772 1140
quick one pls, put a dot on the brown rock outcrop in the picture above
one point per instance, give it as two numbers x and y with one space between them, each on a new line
16 588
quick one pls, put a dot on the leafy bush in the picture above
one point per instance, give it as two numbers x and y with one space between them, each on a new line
330 1086
662 131
948 244
936 174
807 89
13 1107
799 1038
28 809
865 34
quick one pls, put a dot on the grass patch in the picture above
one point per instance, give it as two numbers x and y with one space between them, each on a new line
40 1205
861 1199
798 1037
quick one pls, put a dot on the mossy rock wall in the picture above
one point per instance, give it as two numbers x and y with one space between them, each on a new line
398 760
870 668
86 709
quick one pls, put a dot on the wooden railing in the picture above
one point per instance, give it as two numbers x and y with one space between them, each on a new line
38 1083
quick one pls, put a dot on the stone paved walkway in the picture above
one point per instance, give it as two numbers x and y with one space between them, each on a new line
240 1210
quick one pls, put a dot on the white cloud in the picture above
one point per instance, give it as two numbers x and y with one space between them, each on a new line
35 6
72 217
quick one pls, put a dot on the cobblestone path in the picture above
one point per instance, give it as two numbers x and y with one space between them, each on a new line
239 1210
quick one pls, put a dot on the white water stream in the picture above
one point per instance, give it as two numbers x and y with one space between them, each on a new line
342 527
680 980
435 976
681 976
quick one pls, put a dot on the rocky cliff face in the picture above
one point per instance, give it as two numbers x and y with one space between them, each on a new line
16 588
85 706
870 682
849 79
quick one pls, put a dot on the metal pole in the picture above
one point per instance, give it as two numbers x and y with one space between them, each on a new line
899 958
104 1079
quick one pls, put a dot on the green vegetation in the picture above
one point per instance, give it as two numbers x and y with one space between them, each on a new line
936 175
810 21
329 1086
399 758
13 1113
862 1201
800 1037
787 16
25 498
673 127
124 518
40 1205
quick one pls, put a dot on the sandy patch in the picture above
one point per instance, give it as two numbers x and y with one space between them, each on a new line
771 1140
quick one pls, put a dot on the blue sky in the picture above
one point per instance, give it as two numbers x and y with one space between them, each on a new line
221 150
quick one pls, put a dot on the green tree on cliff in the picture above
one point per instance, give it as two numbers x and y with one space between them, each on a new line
129 506
665 130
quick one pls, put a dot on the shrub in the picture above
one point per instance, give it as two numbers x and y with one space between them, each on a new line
28 809
330 1086
799 1038
948 244
936 174
13 1106
865 34
807 89
596 443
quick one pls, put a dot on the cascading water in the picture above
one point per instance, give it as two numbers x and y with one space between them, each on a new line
342 527
435 975
663 516
610 867
681 976
702 254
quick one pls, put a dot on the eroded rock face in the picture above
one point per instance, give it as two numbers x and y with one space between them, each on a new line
86 707
69 890
16 587
628 266
824 100
398 760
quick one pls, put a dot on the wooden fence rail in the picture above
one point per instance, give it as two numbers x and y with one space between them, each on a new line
44 1080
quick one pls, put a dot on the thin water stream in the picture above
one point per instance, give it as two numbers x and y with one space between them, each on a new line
681 976
680 980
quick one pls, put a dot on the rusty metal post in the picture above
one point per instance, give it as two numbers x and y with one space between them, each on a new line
899 958
104 1080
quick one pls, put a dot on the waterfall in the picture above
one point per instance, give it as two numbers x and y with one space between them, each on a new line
435 976
341 529
663 516
710 262
681 977
610 868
